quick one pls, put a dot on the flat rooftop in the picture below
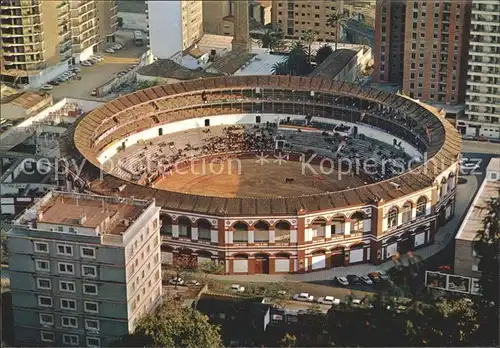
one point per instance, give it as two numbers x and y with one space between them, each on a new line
89 212
261 64
474 219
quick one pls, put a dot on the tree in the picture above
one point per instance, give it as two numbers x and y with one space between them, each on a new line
336 21
272 39
288 341
119 22
314 309
297 59
172 325
308 38
147 84
4 254
322 53
280 68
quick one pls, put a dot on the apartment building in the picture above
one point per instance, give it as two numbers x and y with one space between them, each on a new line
296 17
41 39
482 116
389 41
83 269
174 26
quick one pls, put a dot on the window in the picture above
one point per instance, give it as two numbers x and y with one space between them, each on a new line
89 271
68 304
42 265
90 289
69 322
44 301
421 206
66 286
475 268
43 283
66 268
392 218
91 324
406 213
41 247
93 342
47 336
87 252
66 250
46 319
92 307
70 340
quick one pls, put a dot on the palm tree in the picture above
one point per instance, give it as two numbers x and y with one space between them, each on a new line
308 38
322 53
336 21
297 59
271 39
280 68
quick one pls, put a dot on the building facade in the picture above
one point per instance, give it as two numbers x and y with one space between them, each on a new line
41 39
182 20
482 116
83 268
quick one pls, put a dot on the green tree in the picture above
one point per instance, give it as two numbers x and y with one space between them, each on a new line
322 53
297 59
147 84
119 22
336 21
170 326
280 68
309 36
4 254
288 341
272 39
314 308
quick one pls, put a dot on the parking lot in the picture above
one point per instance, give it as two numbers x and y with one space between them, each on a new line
100 73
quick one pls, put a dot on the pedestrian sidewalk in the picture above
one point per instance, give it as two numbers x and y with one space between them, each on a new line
445 235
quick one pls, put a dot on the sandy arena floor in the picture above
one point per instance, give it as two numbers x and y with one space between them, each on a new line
250 178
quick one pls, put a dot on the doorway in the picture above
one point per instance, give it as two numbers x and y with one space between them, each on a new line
261 264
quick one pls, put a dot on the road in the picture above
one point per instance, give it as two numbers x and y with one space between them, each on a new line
480 147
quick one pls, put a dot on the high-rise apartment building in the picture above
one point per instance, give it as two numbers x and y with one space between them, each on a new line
41 39
296 17
174 26
483 99
83 269
389 40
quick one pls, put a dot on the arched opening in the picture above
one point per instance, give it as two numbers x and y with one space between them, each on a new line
282 232
443 188
318 228
337 224
281 263
357 222
406 212
421 206
184 227
204 229
261 232
240 232
318 259
240 263
451 181
166 225
261 264
338 255
356 253
406 242
392 217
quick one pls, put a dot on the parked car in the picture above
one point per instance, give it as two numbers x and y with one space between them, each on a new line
121 73
97 58
86 63
54 83
116 46
176 281
374 276
94 92
353 279
356 302
237 288
329 300
109 50
461 180
303 297
193 282
366 280
466 166
77 70
342 281
383 275
47 87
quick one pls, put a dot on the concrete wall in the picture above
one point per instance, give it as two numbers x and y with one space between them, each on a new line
464 259
165 28
48 74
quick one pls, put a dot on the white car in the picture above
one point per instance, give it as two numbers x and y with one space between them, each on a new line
356 302
47 87
116 47
176 281
109 50
86 63
193 282
303 297
468 167
366 280
342 281
94 92
77 70
237 288
329 300
97 58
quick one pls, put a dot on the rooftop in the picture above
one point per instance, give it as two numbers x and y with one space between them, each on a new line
166 68
26 100
261 64
494 165
473 221
334 64
230 62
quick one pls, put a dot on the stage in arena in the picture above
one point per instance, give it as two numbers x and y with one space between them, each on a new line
247 177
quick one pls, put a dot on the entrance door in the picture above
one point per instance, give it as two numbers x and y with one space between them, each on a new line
406 243
262 264
160 132
338 258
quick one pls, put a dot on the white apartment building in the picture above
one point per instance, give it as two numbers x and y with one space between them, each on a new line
482 116
173 27
83 268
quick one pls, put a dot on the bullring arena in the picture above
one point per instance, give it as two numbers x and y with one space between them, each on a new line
275 174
